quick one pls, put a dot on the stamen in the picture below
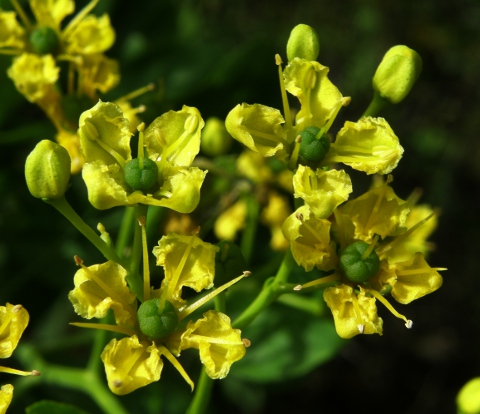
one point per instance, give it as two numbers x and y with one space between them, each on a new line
374 211
105 327
79 17
296 149
33 373
246 342
164 351
194 306
327 279
146 267
140 155
367 252
137 92
23 16
286 106
343 102
386 303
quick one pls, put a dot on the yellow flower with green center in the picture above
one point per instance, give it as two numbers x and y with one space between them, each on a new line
368 251
368 145
13 321
159 325
161 175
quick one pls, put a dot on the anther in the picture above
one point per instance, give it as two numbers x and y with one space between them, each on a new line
246 342
247 273
278 60
299 216
35 373
78 260
117 383
298 288
409 324
142 221
17 308
361 328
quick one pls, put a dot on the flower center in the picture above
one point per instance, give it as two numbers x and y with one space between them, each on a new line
44 40
154 322
359 262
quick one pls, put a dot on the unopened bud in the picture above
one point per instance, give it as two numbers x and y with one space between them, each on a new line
468 399
47 170
303 43
215 138
397 73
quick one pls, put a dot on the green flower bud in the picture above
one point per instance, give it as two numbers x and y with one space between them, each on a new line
229 262
47 170
303 43
44 41
312 149
396 74
468 399
156 323
357 268
138 178
215 138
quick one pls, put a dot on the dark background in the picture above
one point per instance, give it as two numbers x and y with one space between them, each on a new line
214 54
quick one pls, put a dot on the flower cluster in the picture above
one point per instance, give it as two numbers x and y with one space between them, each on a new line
158 326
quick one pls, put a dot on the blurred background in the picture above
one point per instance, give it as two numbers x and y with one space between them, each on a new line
214 54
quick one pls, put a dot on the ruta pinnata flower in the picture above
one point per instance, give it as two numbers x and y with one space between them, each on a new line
158 326
13 321
368 251
161 175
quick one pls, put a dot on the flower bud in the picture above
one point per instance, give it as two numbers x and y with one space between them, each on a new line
154 322
44 40
468 399
215 138
303 43
356 267
47 170
397 72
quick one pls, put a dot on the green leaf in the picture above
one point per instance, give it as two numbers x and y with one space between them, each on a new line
53 407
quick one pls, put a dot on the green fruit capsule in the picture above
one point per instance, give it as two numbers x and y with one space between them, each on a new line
153 322
44 40
357 268
141 179
313 149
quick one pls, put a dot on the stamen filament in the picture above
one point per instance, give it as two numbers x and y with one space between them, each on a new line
286 106
7 370
164 351
327 279
79 17
375 207
21 13
134 94
105 327
140 154
367 252
146 266
343 102
386 303
194 306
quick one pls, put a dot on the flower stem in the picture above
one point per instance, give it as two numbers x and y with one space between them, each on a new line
202 394
70 214
272 289
126 230
377 104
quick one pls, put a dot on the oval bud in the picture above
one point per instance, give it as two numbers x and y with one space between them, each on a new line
312 149
215 138
44 41
468 399
141 179
397 73
303 43
356 268
156 323
47 170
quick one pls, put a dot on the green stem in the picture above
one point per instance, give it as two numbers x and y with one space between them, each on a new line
134 278
202 394
248 238
70 214
375 106
309 305
272 289
126 231
79 379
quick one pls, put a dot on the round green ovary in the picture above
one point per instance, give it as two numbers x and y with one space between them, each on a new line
44 40
154 323
141 179
313 149
356 269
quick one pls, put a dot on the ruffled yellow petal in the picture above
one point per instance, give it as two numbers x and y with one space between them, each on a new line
13 321
309 239
322 190
188 261
219 344
352 313
99 288
51 12
12 35
91 35
368 145
259 128
320 98
98 73
174 137
34 76
231 221
130 364
412 279
6 395
378 211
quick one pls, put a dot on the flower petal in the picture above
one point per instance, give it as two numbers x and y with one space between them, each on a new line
91 35
51 12
13 321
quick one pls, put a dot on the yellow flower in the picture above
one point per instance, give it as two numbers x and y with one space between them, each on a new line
13 321
153 329
360 256
172 141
